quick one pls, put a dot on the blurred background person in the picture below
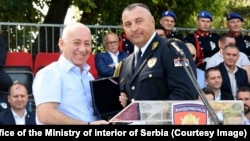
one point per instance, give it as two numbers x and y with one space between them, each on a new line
235 25
17 114
208 93
125 44
200 72
213 80
243 94
233 76
168 21
205 42
161 31
217 58
106 62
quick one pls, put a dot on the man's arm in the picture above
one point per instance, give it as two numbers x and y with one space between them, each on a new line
48 114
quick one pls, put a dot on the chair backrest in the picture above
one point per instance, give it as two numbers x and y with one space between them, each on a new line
43 59
19 59
23 76
91 62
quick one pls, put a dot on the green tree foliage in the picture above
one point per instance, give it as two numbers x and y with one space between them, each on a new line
108 12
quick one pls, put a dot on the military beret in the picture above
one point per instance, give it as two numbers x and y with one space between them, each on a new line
169 13
205 14
234 15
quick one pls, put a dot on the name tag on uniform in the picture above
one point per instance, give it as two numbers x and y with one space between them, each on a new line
177 62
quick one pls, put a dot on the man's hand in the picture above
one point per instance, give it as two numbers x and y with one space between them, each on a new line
123 99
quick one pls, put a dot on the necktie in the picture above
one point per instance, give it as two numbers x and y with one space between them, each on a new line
138 57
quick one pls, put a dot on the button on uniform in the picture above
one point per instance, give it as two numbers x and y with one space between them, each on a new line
133 88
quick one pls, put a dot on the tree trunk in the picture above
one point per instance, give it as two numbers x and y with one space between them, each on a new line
47 35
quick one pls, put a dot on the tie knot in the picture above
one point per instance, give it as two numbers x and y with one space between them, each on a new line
138 57
139 53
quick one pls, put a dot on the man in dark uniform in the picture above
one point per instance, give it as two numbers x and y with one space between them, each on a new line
5 80
206 43
234 24
168 21
157 75
125 45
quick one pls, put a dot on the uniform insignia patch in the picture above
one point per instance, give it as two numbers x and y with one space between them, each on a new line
155 45
151 62
247 44
177 62
121 80
212 45
3 105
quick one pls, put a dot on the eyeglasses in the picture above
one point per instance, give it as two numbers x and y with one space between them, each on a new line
112 43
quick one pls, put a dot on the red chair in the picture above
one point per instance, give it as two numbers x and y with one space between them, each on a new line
91 62
19 66
43 59
19 59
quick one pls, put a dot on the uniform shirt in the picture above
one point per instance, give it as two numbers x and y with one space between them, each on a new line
217 58
208 43
64 83
174 35
19 120
243 43
125 45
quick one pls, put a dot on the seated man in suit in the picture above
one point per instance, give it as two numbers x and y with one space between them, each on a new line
17 114
107 62
233 76
213 80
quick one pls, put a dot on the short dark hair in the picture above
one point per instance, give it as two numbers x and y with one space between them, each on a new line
134 5
159 27
208 91
211 69
243 89
224 36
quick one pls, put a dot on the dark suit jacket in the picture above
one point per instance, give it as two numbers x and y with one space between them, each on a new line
3 51
157 76
240 75
7 118
5 80
102 60
226 96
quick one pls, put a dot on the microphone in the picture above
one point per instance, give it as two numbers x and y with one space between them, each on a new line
173 42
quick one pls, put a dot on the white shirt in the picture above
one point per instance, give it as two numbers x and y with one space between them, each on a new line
232 79
144 47
246 121
64 83
19 120
217 58
114 57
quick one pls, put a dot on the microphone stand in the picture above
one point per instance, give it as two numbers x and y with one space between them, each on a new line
191 75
